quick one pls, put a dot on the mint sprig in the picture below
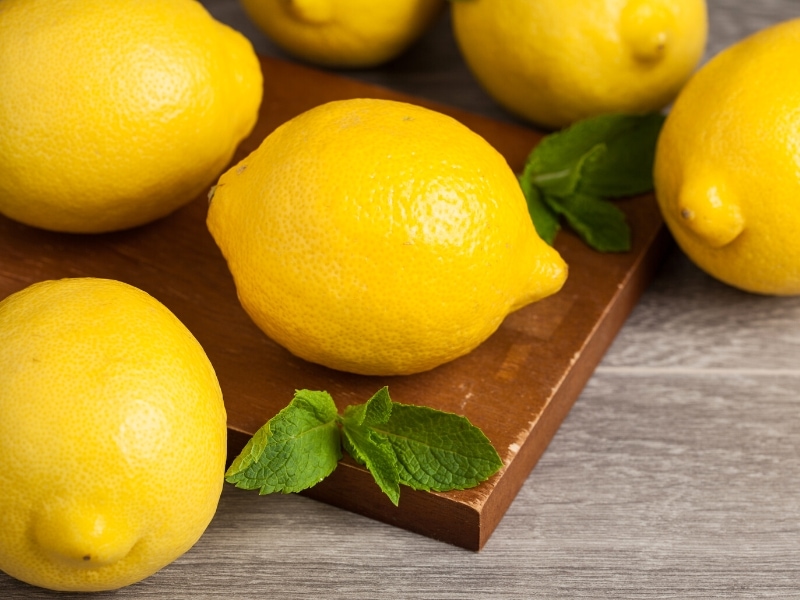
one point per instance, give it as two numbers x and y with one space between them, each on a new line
572 174
423 448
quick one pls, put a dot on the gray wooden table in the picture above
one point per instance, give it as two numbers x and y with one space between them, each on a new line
676 475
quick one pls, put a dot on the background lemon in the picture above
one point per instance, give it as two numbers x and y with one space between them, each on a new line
727 164
553 62
113 114
379 237
343 33
112 435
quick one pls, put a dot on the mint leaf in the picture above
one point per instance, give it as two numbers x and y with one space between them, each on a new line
626 167
609 155
437 450
599 223
555 165
572 171
544 219
374 452
374 411
294 450
369 448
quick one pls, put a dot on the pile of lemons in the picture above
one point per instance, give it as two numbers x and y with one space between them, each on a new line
353 238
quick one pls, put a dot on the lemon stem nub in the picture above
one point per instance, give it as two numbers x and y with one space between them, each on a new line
711 213
647 28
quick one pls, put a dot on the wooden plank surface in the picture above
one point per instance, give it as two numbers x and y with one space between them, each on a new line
517 386
674 475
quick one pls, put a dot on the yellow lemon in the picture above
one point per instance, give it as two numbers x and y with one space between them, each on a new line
554 62
379 237
113 114
343 33
112 435
728 163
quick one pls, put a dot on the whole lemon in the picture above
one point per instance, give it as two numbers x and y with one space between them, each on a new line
112 435
343 33
554 62
379 237
727 164
113 114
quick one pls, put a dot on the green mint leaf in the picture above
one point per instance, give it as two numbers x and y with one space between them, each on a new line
369 448
609 155
570 172
544 220
294 450
374 411
598 222
374 452
626 167
437 450
555 167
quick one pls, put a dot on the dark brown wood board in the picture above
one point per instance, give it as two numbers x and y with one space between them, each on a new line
517 387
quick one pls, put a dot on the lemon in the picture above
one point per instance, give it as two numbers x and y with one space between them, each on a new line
112 435
554 62
379 237
113 114
343 33
727 164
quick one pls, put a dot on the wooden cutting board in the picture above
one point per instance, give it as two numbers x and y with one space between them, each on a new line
517 387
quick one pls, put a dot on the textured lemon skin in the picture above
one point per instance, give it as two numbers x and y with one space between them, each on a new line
112 435
727 164
114 114
379 237
344 33
553 62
